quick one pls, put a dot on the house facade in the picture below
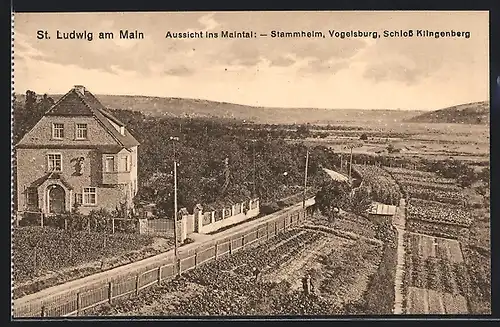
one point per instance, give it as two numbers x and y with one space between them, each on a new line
77 154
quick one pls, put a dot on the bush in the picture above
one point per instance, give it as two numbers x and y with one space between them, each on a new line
381 186
188 241
331 196
30 219
269 208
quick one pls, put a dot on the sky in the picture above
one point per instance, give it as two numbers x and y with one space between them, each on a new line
365 73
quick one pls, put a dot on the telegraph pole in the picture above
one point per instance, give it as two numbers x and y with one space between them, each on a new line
305 181
350 165
254 169
173 139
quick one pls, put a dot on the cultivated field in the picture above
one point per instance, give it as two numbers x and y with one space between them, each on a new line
43 257
425 301
438 277
424 140
340 268
447 271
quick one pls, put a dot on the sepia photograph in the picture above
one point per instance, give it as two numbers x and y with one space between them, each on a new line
250 164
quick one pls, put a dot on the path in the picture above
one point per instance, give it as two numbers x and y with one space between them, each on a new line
399 222
296 266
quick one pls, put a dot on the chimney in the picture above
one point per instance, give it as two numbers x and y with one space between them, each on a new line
80 89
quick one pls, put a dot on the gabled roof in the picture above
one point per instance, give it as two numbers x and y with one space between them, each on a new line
80 102
51 176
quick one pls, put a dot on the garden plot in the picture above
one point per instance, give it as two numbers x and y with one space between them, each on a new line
437 212
341 269
44 257
428 246
424 301
438 282
428 186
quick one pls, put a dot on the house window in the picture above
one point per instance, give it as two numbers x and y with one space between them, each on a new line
109 165
124 163
81 131
32 197
78 198
54 162
57 131
89 195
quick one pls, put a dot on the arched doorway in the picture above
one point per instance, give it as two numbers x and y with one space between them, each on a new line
57 199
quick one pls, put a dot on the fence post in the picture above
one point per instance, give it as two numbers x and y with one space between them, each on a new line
196 259
179 266
78 303
112 225
275 227
43 313
230 246
284 223
216 246
110 292
35 258
267 230
159 275
137 284
65 224
88 224
243 241
41 219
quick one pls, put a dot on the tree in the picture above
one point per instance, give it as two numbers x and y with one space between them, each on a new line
303 131
392 149
360 200
159 190
333 196
26 115
30 101
363 137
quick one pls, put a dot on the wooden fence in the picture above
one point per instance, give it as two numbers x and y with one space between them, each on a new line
75 303
86 223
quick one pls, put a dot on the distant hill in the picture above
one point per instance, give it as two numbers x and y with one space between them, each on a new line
181 107
469 113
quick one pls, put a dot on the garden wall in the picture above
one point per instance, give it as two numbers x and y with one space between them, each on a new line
201 222
215 225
